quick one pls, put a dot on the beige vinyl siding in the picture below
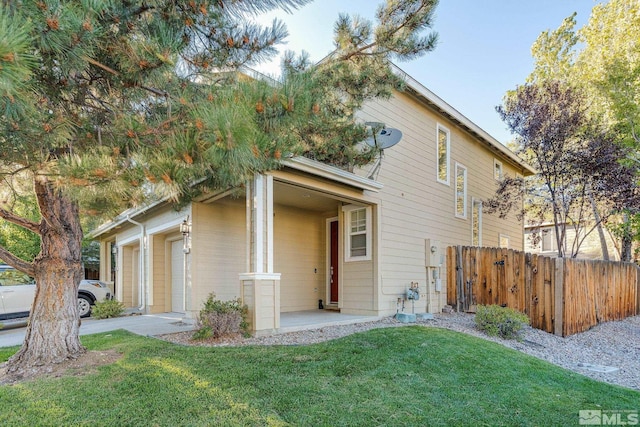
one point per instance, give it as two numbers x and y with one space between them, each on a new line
127 276
131 276
158 274
128 233
357 287
160 267
415 206
358 279
157 219
162 216
218 250
299 255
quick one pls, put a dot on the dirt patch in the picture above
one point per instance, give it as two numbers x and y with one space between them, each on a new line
83 365
185 338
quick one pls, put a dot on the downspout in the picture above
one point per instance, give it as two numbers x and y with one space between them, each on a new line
142 273
184 280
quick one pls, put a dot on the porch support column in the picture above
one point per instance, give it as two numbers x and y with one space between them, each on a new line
260 286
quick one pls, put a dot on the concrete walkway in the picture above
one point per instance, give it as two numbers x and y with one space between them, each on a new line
145 324
168 323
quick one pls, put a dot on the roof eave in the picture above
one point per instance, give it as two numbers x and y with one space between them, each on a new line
448 111
332 173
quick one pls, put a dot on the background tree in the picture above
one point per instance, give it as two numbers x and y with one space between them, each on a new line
609 68
578 165
16 198
600 61
108 104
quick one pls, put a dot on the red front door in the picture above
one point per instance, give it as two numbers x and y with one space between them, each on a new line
333 266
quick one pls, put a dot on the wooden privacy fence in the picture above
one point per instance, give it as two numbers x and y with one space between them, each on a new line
561 296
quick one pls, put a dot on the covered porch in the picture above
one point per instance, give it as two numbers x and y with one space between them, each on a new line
300 251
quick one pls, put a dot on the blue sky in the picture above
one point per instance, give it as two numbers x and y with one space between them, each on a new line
484 48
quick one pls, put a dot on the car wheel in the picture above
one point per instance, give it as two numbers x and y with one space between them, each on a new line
84 306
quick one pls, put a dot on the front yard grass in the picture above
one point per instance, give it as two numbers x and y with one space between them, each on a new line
395 376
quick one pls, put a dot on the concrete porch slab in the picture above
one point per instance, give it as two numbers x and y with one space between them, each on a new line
313 319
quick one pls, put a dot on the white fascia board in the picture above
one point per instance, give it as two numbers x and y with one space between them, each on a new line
123 217
333 173
460 118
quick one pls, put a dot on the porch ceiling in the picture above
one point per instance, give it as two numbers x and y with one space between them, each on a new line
303 198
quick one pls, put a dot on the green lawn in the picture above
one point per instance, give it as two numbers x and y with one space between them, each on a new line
411 376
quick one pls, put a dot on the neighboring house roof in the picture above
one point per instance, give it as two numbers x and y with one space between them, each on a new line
542 225
302 164
429 98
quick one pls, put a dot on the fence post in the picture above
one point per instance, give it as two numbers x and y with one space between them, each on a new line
459 277
558 297
637 290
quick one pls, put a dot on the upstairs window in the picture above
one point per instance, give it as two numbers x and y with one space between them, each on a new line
476 222
461 191
357 233
443 139
497 169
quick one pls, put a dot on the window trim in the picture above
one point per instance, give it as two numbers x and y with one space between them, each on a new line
497 164
475 202
552 240
348 210
444 129
462 215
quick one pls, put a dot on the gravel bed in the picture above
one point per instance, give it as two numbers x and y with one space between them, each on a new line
608 345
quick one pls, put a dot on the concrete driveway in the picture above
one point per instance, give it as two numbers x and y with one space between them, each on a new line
144 324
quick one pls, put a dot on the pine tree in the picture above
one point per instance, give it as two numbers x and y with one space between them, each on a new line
109 104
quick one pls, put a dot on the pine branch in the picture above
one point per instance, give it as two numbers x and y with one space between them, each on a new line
389 36
18 263
19 221
155 91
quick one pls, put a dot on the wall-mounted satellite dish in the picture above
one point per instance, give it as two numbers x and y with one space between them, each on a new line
384 138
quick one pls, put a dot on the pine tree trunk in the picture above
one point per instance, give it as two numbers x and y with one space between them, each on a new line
52 335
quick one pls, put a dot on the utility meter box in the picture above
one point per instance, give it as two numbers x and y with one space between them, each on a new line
432 253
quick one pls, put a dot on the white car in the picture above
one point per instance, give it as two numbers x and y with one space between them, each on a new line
17 291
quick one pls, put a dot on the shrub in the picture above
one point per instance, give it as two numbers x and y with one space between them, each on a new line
107 308
500 321
219 318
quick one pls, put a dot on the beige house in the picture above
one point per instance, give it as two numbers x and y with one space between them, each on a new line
541 239
309 231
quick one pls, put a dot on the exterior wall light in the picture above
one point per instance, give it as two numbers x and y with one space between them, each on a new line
185 229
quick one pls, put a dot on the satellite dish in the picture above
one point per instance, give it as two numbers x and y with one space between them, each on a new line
384 138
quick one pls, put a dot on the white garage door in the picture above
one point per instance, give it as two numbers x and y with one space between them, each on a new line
177 277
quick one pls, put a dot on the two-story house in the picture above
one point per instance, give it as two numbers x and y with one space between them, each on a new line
309 231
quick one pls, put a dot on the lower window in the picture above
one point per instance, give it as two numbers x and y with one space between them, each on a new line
357 233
